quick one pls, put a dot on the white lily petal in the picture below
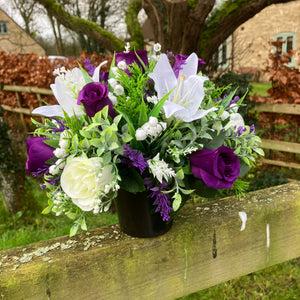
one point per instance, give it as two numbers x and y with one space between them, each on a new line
65 99
49 111
97 71
171 108
190 67
163 76
198 115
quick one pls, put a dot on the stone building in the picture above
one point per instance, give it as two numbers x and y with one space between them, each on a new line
14 39
246 51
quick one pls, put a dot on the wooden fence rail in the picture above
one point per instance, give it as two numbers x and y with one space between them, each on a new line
208 244
281 108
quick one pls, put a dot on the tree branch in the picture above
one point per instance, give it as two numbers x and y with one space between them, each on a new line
226 20
133 25
91 29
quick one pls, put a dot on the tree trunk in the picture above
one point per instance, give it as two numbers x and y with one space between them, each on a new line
12 189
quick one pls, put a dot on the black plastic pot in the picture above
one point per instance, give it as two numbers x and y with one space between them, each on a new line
137 216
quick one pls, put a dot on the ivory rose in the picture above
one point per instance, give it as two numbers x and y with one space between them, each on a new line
83 179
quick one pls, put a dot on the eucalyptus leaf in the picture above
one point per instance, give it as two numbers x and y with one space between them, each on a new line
74 229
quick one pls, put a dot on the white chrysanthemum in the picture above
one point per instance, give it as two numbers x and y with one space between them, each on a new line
160 169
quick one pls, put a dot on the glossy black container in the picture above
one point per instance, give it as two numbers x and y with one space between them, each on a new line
137 216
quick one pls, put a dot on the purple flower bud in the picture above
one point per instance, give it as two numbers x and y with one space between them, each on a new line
94 97
217 168
38 153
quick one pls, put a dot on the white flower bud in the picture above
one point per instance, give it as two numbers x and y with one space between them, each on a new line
113 98
122 65
113 82
118 90
140 134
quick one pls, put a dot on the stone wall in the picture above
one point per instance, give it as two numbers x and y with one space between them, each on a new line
251 40
17 40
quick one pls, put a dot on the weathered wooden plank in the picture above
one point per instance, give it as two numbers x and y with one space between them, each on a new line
205 246
283 108
281 163
20 110
280 146
26 89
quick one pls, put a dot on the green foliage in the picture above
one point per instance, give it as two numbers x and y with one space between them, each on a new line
241 82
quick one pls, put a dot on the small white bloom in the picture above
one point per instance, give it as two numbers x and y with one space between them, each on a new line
113 82
152 99
122 65
60 153
53 170
118 90
160 169
140 134
112 98
115 70
127 47
157 47
153 121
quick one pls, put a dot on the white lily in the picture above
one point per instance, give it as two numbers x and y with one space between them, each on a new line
65 89
185 100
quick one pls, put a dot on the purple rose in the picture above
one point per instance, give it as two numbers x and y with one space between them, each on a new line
94 97
217 168
38 153
131 57
180 60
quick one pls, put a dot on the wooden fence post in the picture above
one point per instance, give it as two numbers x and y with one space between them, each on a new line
208 244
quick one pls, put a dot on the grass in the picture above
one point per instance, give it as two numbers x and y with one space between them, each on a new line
260 88
30 226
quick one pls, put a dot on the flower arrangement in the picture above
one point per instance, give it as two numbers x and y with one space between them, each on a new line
147 125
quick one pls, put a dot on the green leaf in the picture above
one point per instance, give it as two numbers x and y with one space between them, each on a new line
225 102
83 224
143 118
129 122
74 229
85 134
106 158
259 151
52 143
75 141
96 143
46 210
157 108
86 76
71 215
177 201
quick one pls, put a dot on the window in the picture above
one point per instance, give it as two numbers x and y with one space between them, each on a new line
289 42
220 58
3 27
